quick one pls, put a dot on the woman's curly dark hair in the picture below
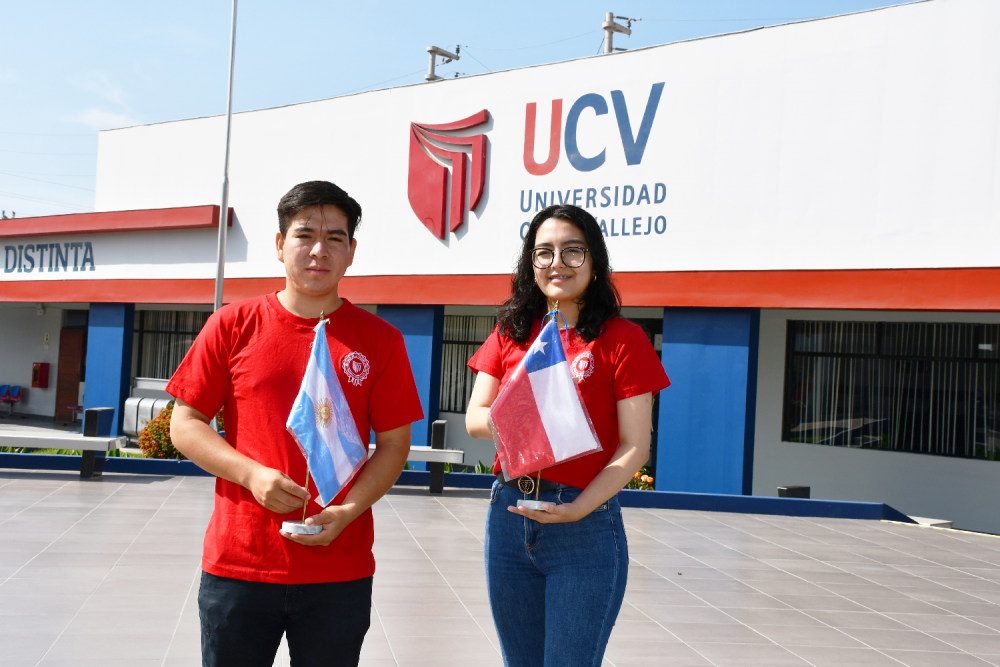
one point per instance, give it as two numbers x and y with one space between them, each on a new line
526 304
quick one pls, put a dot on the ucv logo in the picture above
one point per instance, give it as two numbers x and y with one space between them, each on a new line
428 180
634 146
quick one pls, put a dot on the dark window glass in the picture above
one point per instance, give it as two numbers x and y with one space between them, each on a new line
463 334
912 387
164 337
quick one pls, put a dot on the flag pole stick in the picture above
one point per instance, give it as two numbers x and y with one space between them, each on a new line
220 261
306 501
538 484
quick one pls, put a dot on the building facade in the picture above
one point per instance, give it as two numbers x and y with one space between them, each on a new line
804 219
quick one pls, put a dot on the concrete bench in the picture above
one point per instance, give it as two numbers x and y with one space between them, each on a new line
435 458
91 467
430 455
435 455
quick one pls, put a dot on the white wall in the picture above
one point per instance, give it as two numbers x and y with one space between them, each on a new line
863 141
22 341
962 490
456 437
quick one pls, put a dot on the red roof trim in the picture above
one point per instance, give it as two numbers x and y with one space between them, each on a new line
187 217
882 289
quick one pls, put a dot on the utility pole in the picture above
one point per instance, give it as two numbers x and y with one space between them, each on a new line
220 262
434 52
610 28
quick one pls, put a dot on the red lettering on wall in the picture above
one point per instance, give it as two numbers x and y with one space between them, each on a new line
555 133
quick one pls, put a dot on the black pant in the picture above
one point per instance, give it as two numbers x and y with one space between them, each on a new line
242 622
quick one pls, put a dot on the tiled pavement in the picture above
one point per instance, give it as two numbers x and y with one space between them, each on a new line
105 573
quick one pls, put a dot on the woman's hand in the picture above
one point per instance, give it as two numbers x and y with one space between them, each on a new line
552 513
634 419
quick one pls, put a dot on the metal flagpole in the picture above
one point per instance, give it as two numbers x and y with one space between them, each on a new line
220 268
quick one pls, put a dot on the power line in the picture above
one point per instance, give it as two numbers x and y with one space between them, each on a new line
372 85
46 134
476 59
44 201
36 153
535 46
39 173
775 18
38 180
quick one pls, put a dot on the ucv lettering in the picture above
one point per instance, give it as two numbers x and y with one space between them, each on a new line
634 145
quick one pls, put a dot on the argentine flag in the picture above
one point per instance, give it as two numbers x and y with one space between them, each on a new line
322 425
539 419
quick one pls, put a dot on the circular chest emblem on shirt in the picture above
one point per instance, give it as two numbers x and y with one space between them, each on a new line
582 366
356 368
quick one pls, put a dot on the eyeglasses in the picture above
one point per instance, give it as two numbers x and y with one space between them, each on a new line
572 257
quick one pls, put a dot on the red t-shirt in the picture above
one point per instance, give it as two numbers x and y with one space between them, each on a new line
618 364
251 357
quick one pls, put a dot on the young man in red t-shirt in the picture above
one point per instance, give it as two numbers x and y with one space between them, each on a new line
258 582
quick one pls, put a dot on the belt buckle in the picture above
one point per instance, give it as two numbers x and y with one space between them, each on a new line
525 484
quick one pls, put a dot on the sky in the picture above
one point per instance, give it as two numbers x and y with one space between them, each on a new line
71 69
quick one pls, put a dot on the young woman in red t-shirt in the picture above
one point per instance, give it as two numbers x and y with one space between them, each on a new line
556 577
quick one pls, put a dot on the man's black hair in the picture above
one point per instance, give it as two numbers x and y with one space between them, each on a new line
318 193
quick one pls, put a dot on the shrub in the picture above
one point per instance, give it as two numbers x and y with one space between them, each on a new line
642 480
154 441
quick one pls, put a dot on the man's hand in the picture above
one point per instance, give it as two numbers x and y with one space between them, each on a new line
564 513
333 519
376 477
276 491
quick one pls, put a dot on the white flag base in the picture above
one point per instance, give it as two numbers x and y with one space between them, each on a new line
531 504
299 528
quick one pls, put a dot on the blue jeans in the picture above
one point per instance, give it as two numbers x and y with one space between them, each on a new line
555 589
242 622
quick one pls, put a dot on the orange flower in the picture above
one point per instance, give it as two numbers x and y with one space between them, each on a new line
636 476
649 479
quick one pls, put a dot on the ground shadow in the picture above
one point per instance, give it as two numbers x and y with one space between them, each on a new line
70 475
449 492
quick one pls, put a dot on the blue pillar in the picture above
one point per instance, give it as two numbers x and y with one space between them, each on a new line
109 358
706 428
423 330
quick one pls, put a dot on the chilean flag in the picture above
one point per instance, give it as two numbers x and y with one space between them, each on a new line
539 418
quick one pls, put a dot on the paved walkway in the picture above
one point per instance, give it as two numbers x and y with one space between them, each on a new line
105 573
